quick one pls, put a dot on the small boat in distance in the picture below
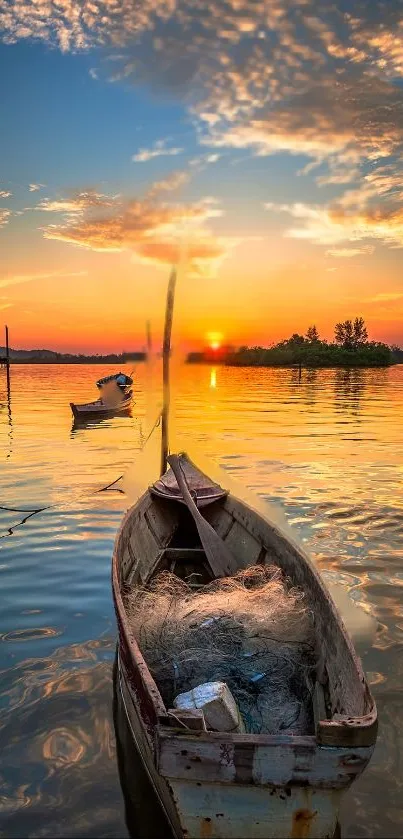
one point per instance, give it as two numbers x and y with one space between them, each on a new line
116 397
222 784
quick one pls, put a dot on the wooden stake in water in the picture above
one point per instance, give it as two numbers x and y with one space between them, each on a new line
166 353
7 361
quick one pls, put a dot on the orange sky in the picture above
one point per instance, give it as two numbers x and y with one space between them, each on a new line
106 308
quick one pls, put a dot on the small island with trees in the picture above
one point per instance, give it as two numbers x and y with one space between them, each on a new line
350 348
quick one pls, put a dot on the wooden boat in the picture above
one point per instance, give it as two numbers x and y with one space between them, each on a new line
101 409
213 784
117 401
232 785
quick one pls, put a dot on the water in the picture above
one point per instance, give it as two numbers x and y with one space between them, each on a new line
327 451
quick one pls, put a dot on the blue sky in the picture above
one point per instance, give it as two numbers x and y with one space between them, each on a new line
65 127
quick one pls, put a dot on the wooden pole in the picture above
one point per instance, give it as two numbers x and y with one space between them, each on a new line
7 360
166 352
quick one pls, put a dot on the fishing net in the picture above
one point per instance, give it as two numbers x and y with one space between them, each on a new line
251 631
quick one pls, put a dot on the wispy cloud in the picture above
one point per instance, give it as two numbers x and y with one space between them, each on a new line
333 225
204 160
77 203
4 193
35 187
153 231
4 216
16 279
386 297
348 253
159 149
267 76
169 184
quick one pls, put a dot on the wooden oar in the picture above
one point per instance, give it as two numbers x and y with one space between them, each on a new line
219 557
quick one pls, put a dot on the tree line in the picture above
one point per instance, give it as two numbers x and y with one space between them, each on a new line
350 348
53 357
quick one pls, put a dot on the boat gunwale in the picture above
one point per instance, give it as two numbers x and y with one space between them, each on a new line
186 757
348 730
137 659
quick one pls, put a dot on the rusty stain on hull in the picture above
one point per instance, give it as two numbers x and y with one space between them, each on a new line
302 823
206 828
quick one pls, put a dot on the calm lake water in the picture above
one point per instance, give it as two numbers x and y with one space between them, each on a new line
327 451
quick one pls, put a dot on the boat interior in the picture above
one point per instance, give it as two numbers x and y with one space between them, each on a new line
159 533
185 555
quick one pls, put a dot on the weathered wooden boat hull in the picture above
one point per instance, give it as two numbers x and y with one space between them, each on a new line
210 808
223 785
96 409
145 815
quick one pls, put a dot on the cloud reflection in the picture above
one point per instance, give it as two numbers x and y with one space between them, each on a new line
58 726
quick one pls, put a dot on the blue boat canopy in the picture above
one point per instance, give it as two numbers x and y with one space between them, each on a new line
120 378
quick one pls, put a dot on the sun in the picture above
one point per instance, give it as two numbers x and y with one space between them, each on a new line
215 340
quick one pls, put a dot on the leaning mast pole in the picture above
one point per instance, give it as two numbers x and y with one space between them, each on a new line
166 353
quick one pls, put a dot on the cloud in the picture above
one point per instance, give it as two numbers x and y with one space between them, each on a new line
204 160
172 182
386 297
343 121
346 253
334 224
267 76
77 203
153 231
4 216
35 187
4 193
16 279
159 149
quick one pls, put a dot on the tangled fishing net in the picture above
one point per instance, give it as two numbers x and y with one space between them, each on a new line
251 631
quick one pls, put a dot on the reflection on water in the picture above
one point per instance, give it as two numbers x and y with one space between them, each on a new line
80 424
349 389
326 452
5 406
58 746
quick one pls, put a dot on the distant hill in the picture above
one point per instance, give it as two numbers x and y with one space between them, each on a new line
52 357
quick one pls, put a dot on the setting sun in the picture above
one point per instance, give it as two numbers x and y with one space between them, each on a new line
215 340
